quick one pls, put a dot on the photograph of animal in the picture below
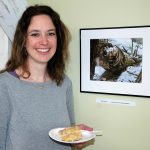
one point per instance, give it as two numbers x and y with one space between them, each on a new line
116 59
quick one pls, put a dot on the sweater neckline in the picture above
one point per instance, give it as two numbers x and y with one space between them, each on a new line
14 77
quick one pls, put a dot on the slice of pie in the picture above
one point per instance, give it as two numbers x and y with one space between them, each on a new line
70 134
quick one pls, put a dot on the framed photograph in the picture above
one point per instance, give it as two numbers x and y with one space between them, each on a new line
115 60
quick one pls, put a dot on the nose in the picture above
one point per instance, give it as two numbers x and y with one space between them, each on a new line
44 39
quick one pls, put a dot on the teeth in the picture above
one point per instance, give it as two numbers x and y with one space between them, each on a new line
43 50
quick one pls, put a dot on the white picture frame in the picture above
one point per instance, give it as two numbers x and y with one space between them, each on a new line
139 86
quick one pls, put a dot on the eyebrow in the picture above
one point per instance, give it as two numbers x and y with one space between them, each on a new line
39 30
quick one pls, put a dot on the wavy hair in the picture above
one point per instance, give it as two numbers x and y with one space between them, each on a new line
56 65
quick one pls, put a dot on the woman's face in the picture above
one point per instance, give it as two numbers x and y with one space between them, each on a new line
41 40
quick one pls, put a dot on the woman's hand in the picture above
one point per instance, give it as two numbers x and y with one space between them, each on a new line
82 145
85 127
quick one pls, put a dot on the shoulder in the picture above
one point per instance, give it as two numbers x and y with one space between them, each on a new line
66 82
3 76
6 78
67 79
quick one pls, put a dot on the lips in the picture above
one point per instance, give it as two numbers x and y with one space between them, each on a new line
43 50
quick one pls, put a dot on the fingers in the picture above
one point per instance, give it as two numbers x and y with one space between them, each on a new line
85 127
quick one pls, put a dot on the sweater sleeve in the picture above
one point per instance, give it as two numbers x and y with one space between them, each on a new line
70 104
4 116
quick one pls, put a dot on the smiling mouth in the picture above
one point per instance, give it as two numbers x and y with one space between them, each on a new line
43 50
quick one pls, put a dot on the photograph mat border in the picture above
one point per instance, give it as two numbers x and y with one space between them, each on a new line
135 89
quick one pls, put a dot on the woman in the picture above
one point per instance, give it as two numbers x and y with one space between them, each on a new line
35 93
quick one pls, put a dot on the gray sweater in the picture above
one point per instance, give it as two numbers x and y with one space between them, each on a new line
29 110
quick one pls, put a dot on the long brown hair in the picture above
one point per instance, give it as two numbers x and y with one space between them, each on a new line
56 65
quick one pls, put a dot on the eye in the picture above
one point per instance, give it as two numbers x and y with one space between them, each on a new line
51 33
35 34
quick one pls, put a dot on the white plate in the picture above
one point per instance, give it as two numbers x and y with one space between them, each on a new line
86 136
